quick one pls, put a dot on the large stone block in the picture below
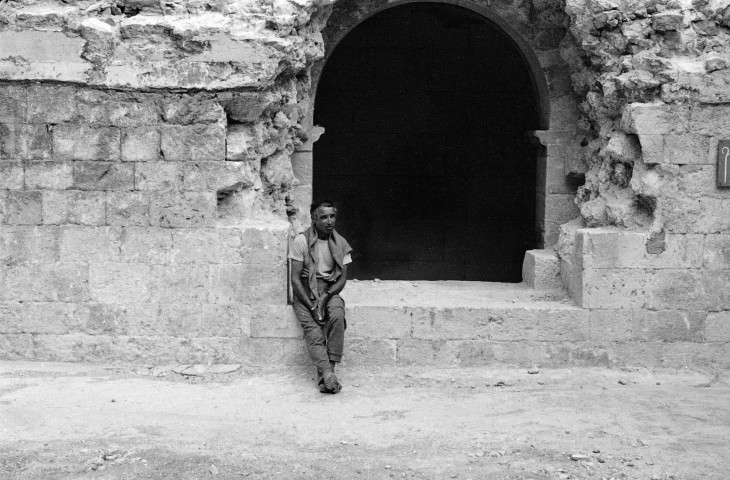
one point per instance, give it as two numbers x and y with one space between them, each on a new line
50 104
40 317
192 109
379 322
183 210
141 144
29 244
418 352
160 176
90 244
523 354
214 176
48 175
11 175
717 327
467 353
715 287
669 325
686 290
710 120
147 245
47 282
84 143
265 244
363 352
615 288
278 321
178 283
114 319
615 248
612 325
713 356
119 282
128 209
33 142
682 149
695 215
73 207
716 252
16 347
13 103
541 269
196 143
103 176
655 119
206 245
637 354
450 323
247 284
232 320
7 141
178 318
22 207
100 107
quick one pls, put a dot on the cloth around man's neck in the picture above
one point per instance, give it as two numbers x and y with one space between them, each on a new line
338 248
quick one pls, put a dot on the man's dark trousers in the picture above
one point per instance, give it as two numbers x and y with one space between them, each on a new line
325 339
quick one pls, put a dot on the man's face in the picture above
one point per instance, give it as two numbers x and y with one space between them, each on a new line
324 220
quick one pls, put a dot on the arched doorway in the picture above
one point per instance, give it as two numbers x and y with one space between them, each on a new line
425 108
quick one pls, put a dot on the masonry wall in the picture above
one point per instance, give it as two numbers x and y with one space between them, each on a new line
154 161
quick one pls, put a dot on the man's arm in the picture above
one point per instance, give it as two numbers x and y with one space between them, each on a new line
334 289
296 283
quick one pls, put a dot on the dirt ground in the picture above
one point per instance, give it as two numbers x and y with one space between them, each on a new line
69 421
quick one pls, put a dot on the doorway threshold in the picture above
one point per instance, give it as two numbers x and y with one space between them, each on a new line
449 294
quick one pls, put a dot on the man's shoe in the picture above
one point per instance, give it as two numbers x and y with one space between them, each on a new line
330 385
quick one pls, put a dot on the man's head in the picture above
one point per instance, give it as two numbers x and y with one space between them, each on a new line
323 214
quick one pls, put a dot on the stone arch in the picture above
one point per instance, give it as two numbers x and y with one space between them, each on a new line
350 22
537 42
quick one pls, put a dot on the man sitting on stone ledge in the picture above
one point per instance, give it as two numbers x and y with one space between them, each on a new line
319 259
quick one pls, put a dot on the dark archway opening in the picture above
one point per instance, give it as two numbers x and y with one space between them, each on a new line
425 108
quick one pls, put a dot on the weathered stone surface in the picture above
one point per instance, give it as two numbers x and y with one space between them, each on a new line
265 244
670 325
196 143
247 283
717 327
695 355
141 144
615 288
48 175
158 176
50 103
716 252
616 248
696 215
7 141
72 142
232 320
33 142
541 269
103 176
29 244
681 149
16 347
214 176
13 103
206 245
119 282
23 207
11 175
277 321
181 319
74 207
128 209
147 245
40 317
100 107
192 109
667 21
47 282
379 322
655 119
612 325
178 284
364 352
180 210
90 244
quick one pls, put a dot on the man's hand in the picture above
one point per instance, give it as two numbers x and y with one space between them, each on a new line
320 305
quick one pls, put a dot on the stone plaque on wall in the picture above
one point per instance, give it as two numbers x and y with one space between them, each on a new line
723 163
